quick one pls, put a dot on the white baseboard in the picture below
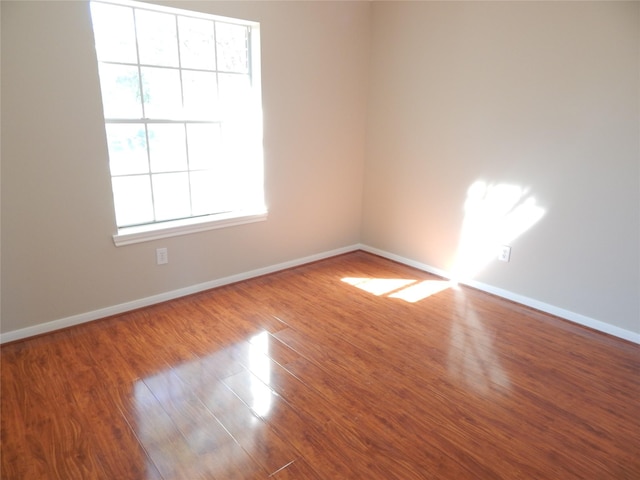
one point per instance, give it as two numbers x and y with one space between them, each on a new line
163 297
521 299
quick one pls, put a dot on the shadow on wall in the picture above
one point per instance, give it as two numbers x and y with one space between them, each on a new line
495 215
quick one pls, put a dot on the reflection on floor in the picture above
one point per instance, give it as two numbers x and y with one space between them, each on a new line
300 375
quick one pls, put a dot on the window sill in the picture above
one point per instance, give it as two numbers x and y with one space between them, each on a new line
146 233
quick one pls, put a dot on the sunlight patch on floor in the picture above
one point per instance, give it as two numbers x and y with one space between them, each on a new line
422 290
409 290
378 286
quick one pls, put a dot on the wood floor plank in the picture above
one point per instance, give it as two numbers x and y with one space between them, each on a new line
53 427
295 471
21 457
194 421
258 440
323 371
108 427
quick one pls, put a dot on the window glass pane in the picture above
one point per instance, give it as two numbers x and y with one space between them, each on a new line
114 44
171 195
167 145
157 39
183 122
231 41
197 47
132 198
235 95
162 93
120 91
200 95
209 193
203 143
127 148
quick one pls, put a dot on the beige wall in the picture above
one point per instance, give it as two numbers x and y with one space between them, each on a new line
543 96
58 258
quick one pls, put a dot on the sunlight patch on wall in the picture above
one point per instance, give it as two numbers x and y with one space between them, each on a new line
495 215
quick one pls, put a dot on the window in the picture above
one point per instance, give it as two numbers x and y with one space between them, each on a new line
182 108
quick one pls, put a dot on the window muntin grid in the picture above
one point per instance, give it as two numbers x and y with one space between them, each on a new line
182 112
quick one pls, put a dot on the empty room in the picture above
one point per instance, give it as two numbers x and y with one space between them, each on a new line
320 240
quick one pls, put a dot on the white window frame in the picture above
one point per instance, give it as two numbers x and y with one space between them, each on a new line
192 224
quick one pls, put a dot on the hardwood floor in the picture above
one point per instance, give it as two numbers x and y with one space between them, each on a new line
307 374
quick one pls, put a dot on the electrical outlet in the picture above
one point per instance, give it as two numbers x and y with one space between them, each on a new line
504 255
162 256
